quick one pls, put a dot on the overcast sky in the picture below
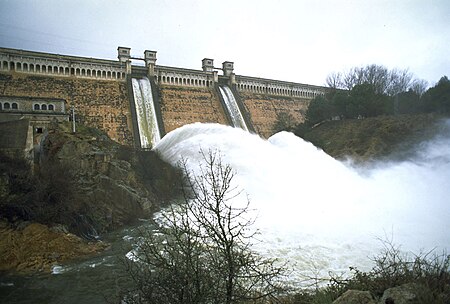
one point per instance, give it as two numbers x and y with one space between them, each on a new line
293 40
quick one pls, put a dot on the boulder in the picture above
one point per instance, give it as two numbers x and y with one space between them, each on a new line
403 294
355 297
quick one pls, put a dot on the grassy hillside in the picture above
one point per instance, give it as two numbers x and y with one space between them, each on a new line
373 138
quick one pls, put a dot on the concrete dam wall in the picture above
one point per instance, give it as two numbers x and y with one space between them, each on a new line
100 93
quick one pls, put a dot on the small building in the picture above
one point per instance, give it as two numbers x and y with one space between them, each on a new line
39 111
23 122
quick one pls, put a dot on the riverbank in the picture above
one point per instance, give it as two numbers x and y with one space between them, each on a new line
32 247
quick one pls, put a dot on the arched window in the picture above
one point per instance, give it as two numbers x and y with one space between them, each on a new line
83 72
61 70
11 66
1 106
44 107
37 107
78 72
25 66
51 107
6 106
109 74
14 106
55 70
19 66
72 71
104 74
114 75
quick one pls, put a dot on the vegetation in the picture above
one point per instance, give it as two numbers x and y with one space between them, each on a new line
59 189
373 91
48 196
374 137
201 251
428 272
372 112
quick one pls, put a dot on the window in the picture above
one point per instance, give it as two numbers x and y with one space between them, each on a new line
6 106
36 107
44 107
39 130
51 107
14 106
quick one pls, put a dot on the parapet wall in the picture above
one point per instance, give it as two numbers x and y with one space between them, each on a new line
60 65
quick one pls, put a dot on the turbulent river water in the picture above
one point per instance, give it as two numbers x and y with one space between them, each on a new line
318 214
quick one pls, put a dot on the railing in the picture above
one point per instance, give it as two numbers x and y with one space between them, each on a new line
59 65
276 87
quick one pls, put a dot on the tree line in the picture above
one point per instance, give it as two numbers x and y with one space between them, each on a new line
374 90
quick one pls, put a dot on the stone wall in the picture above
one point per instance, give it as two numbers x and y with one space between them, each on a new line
98 103
266 111
181 106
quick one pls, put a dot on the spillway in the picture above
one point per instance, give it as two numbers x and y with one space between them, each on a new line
321 214
232 108
145 111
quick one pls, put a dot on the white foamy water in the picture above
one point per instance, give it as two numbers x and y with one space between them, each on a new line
232 107
318 213
145 111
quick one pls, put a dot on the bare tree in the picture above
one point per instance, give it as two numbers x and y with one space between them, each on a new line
202 249
334 80
419 86
383 81
399 81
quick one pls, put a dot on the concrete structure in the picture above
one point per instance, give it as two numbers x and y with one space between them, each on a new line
16 139
99 90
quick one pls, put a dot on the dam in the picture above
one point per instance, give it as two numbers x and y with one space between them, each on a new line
136 102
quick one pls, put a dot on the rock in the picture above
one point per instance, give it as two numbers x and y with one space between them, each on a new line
37 248
109 190
403 294
355 297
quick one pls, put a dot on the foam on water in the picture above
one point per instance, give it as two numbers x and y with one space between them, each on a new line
319 213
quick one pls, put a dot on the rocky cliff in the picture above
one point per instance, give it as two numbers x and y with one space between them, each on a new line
84 183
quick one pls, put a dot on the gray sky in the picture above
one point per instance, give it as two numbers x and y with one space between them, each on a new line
293 40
